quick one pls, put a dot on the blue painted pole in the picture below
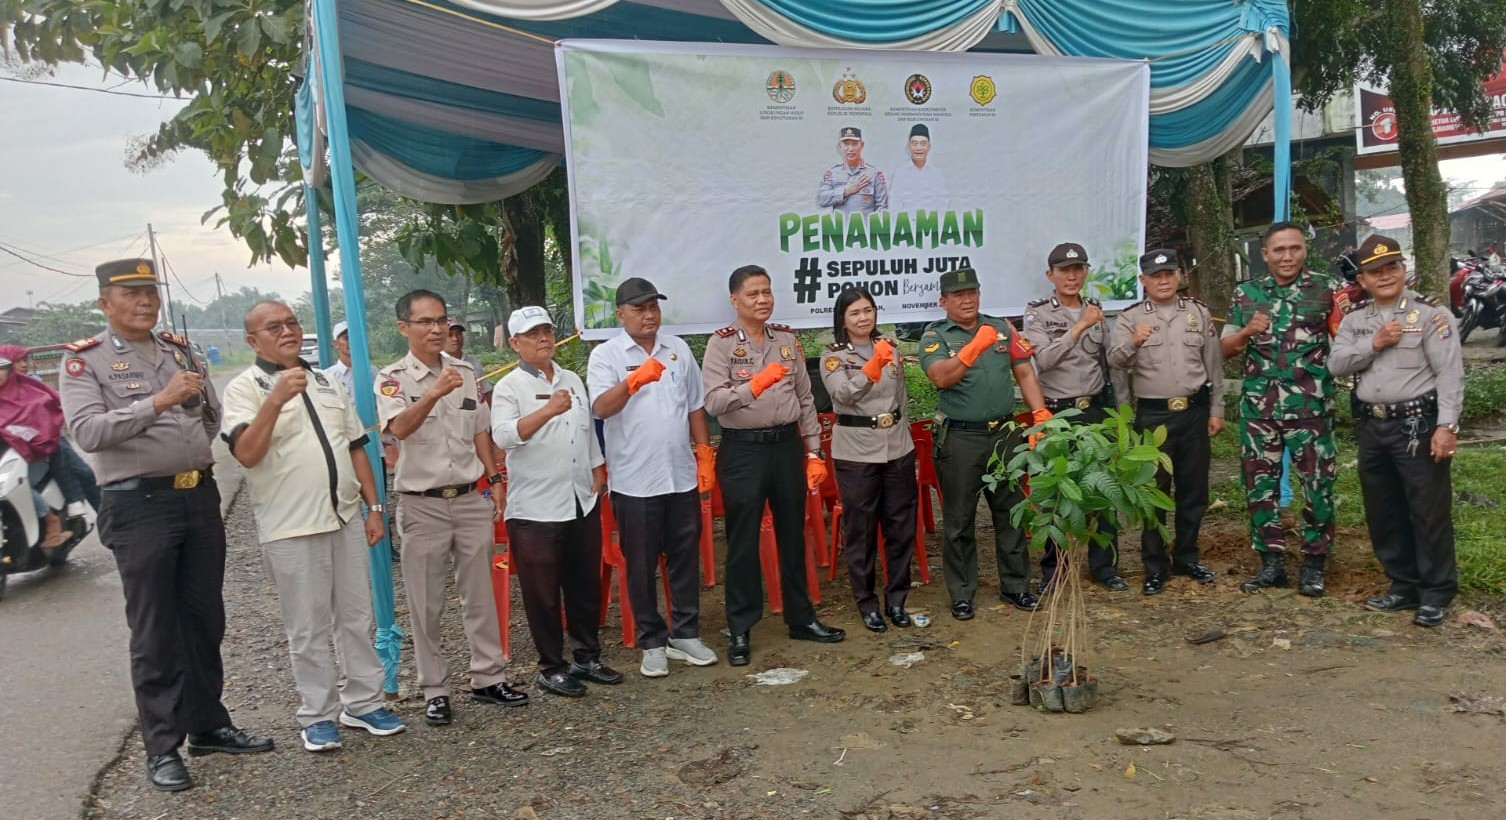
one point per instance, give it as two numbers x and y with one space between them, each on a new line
331 77
1281 74
317 283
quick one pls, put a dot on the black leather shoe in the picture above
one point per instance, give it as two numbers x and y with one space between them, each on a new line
229 740
1154 584
1047 584
739 650
818 632
962 610
1021 600
437 712
560 683
899 617
595 672
875 622
1310 582
1428 616
501 693
167 772
1114 583
1272 573
1390 602
1196 572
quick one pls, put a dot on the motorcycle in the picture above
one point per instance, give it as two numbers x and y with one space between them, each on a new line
1483 304
20 529
1459 269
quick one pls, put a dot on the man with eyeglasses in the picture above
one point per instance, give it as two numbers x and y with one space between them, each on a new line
295 430
140 402
428 400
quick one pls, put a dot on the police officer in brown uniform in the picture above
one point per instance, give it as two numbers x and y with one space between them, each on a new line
428 400
140 402
1070 339
1168 344
873 455
1409 387
770 452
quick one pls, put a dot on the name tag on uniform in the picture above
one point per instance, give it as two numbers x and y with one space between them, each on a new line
468 404
541 396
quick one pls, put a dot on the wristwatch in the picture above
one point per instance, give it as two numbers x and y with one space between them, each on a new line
494 478
1452 428
376 508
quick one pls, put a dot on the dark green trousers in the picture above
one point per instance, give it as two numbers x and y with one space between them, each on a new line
961 460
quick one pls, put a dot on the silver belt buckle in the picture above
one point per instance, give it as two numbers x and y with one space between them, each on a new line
883 421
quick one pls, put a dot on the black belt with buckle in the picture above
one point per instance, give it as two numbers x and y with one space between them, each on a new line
1176 404
452 491
1079 402
981 426
882 421
760 435
186 480
1424 405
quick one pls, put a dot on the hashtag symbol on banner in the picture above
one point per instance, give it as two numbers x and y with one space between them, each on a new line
807 280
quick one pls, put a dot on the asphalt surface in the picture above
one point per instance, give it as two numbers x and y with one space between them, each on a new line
66 708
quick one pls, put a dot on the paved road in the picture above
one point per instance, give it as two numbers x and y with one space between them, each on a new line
65 686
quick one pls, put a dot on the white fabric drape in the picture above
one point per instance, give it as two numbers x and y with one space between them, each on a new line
537 9
1222 143
783 31
415 184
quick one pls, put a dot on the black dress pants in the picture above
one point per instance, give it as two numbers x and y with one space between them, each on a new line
554 558
1187 444
1409 501
668 525
875 495
750 475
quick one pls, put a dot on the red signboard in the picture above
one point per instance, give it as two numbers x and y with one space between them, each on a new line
1376 128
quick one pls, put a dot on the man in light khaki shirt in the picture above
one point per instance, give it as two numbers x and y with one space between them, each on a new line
295 430
1171 349
428 400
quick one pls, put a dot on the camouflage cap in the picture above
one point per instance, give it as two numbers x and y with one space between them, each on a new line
959 279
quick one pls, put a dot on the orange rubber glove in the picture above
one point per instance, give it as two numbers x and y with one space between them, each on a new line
985 336
766 378
815 472
705 467
647 373
1038 417
883 353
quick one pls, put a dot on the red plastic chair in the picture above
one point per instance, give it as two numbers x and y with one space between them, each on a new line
613 560
501 572
708 544
926 480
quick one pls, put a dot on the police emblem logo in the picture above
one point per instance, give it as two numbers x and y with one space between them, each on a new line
143 269
1380 247
74 366
390 387
1192 322
1177 403
741 351
1412 316
831 364
982 89
780 86
119 366
785 352
1160 258
849 89
1071 254
918 89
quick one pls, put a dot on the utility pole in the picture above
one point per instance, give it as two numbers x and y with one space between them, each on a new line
167 292
219 292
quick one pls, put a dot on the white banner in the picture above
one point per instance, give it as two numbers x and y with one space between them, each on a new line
838 168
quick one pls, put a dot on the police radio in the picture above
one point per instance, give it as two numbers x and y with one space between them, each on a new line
188 365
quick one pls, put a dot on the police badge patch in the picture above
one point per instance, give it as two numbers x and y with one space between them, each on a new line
74 366
390 387
831 364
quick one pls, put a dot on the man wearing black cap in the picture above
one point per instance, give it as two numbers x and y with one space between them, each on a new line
852 185
647 389
1168 344
1070 338
975 362
1409 386
919 185
141 403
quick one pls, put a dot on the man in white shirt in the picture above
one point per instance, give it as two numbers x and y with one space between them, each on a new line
919 185
341 368
297 434
555 473
647 389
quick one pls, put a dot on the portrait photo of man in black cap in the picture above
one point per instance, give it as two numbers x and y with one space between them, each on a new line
852 185
919 185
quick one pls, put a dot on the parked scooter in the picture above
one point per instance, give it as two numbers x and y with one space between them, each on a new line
1483 303
21 532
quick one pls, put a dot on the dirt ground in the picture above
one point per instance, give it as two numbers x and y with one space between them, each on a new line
1304 709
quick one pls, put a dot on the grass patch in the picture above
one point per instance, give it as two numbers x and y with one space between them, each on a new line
1484 391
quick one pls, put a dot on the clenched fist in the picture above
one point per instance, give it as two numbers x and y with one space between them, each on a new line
559 403
1259 323
449 380
987 334
290 384
1142 333
184 385
647 373
1388 334
766 378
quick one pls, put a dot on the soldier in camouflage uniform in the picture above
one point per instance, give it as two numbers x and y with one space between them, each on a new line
1284 322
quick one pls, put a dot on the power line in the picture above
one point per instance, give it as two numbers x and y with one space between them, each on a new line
167 263
58 256
96 90
34 262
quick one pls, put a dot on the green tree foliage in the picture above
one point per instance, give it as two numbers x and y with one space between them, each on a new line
56 323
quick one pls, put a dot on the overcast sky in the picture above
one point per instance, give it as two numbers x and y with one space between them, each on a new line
67 198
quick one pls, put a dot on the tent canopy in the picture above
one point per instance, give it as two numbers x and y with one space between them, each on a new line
458 101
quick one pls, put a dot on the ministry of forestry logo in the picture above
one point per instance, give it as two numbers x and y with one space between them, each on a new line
849 89
917 89
780 86
983 90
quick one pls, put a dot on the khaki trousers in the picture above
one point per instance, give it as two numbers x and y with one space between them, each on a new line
435 531
324 585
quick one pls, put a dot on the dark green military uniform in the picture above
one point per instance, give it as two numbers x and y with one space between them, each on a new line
1287 404
974 415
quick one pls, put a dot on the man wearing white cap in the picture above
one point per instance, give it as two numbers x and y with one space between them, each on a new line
556 473
341 369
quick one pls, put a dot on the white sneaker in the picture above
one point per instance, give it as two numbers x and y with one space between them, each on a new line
691 651
655 664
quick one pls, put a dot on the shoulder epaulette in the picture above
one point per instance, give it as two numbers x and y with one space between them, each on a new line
777 326
1363 301
1427 300
726 331
173 338
81 345
1038 302
836 346
1197 301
